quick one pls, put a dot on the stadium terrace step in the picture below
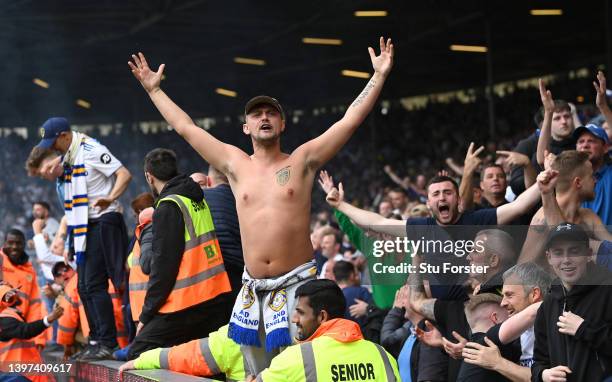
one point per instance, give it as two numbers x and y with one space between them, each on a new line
106 371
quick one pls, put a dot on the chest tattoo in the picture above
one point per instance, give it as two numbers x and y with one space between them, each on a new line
283 175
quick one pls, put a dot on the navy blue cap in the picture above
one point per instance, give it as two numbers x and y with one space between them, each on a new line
51 129
597 131
568 232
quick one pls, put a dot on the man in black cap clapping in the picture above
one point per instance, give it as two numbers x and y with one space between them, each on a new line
574 324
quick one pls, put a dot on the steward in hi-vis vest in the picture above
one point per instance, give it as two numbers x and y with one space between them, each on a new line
205 357
138 279
335 352
187 281
332 348
17 346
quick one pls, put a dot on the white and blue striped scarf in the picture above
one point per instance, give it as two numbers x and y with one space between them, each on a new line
76 202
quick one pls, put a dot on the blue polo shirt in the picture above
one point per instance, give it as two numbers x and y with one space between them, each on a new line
602 204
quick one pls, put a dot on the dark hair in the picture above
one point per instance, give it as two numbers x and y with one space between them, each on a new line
323 295
14 232
42 203
343 270
440 179
488 166
560 105
142 201
59 266
161 163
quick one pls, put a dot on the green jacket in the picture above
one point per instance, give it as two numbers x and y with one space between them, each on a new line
384 285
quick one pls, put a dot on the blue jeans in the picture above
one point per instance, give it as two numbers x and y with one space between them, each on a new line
93 288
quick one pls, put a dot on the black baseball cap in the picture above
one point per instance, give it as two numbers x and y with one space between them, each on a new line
51 129
263 100
568 232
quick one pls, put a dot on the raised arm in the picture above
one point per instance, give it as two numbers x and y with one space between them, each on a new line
321 149
533 248
552 212
470 164
396 178
549 107
516 159
215 152
363 218
601 101
514 326
520 206
418 300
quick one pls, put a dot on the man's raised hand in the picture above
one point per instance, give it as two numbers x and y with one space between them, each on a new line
546 96
384 61
547 180
335 196
472 161
149 79
513 158
600 88
326 181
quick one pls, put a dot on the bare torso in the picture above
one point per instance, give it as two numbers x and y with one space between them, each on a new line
273 204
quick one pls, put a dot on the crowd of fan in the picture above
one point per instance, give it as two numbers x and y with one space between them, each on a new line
508 320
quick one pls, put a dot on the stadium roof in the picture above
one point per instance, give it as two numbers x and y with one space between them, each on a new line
80 50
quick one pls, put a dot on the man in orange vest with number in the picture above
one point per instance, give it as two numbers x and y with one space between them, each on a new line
188 282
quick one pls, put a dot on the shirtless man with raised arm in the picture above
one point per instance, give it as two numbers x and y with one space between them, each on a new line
273 196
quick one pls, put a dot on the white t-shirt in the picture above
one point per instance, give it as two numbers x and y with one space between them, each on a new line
101 166
527 343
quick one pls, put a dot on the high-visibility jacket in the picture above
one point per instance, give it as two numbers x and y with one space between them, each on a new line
19 351
23 279
201 276
335 352
138 280
204 357
74 315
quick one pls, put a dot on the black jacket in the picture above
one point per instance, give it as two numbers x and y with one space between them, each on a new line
395 330
588 354
168 244
529 147
146 248
12 328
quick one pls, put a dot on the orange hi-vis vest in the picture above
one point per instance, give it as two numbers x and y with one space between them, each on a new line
19 351
138 280
23 279
74 315
201 275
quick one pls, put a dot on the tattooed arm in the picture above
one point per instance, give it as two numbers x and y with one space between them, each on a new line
323 148
418 300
